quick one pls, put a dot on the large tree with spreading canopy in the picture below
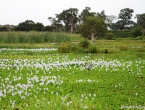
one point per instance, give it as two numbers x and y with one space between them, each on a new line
93 27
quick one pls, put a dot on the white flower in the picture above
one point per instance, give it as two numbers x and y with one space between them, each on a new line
85 107
48 102
94 95
136 94
1 94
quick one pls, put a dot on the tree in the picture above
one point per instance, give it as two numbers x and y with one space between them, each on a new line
48 28
125 17
28 25
3 28
84 14
38 26
93 27
141 22
110 21
136 31
69 17
55 24
102 15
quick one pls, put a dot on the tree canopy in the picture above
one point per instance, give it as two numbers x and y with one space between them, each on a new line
93 27
141 22
69 18
125 17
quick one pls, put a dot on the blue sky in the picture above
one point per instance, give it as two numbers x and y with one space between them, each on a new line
15 11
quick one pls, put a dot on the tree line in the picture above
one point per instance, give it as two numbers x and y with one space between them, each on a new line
71 21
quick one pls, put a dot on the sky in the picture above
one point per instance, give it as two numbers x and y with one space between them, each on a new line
15 11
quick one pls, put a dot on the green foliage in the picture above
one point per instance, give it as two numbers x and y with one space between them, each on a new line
140 37
3 28
69 18
109 36
121 34
141 22
28 25
136 31
106 51
123 48
93 49
93 27
83 47
63 82
33 37
84 14
38 27
64 48
125 17
69 48
85 44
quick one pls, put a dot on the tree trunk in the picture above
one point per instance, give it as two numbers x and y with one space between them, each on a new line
143 31
92 37
71 29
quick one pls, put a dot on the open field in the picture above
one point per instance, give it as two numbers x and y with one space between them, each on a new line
39 79
34 76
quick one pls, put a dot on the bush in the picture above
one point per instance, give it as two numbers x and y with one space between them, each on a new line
140 37
109 36
92 49
106 51
68 47
64 48
85 44
121 34
136 32
123 48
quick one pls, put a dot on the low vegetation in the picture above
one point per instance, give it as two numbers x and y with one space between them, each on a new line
71 73
33 37
45 79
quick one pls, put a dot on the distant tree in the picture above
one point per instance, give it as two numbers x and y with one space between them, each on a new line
38 26
102 15
84 14
114 26
141 22
55 24
6 27
28 25
93 27
47 28
125 17
110 21
3 28
69 17
136 31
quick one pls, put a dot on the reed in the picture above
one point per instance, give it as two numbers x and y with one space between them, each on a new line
34 37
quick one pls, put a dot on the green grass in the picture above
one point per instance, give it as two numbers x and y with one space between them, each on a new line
33 37
35 78
48 80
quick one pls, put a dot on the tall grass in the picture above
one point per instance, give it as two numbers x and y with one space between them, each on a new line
33 37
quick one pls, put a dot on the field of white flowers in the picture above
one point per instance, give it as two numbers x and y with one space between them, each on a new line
37 79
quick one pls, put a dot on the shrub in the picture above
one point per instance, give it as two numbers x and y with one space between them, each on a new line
123 48
84 44
140 37
67 48
109 36
106 51
136 31
92 49
121 34
64 48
